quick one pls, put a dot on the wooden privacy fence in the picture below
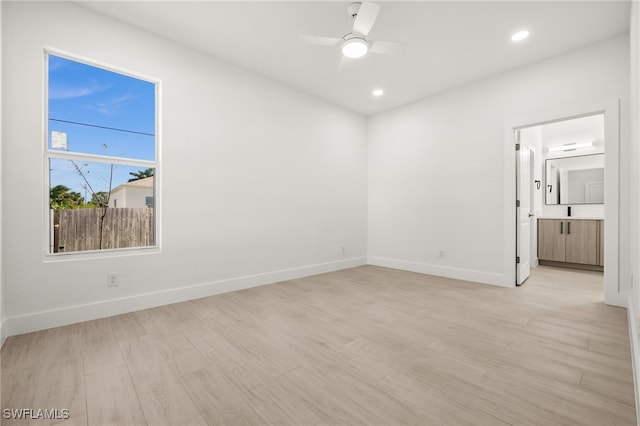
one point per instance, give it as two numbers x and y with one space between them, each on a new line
79 229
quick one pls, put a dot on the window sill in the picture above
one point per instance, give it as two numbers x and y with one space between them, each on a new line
100 254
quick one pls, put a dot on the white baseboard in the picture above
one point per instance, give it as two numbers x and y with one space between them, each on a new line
620 299
635 354
74 314
3 334
442 271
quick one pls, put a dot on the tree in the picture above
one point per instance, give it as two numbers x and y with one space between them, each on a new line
62 198
100 199
141 174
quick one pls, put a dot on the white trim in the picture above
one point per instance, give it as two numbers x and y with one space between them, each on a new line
47 223
100 64
482 277
100 254
106 159
2 280
612 203
3 334
621 299
74 314
635 354
611 110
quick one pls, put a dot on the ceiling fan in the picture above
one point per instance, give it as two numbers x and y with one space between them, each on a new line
355 44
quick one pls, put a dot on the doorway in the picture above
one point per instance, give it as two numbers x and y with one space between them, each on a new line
560 183
608 113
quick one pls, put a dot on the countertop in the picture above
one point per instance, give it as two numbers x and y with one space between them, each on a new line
571 217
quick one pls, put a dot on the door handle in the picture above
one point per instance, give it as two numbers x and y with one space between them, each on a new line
531 215
568 228
561 223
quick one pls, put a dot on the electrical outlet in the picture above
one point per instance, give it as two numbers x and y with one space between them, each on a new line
441 254
113 279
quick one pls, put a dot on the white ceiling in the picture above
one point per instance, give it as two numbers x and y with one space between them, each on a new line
449 43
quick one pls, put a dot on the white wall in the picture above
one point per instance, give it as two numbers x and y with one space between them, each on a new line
130 196
635 155
117 198
137 196
2 311
259 182
585 128
634 195
436 167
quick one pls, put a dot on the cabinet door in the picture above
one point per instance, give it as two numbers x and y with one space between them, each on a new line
582 241
551 241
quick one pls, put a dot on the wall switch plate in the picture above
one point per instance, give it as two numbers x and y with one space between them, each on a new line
441 254
113 279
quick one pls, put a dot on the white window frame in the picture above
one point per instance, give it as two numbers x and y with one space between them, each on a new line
48 154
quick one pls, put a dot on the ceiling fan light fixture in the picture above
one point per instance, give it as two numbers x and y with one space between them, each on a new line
355 48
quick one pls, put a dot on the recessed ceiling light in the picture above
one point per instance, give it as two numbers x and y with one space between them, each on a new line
378 92
355 48
520 35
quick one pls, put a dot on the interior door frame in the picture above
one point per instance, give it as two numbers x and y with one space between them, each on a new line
533 225
611 111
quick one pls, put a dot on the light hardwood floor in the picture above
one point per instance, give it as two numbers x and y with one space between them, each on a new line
366 345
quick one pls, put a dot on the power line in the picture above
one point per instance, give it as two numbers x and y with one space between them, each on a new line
102 127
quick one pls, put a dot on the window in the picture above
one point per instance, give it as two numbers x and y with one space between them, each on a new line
101 158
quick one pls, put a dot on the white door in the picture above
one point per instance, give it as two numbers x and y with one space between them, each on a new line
594 192
551 192
523 212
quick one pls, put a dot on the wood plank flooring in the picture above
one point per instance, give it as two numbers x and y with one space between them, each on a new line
363 346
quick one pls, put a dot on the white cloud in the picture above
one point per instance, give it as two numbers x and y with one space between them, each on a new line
69 92
111 106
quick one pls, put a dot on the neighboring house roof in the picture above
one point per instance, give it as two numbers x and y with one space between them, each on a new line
140 183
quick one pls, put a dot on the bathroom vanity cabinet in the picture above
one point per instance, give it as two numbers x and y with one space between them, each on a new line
571 243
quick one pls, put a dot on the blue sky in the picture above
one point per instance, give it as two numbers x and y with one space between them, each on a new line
85 94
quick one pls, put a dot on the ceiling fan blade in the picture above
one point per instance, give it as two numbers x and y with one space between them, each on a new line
385 47
367 15
320 41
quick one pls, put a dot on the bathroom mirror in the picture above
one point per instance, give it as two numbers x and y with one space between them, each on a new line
575 180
